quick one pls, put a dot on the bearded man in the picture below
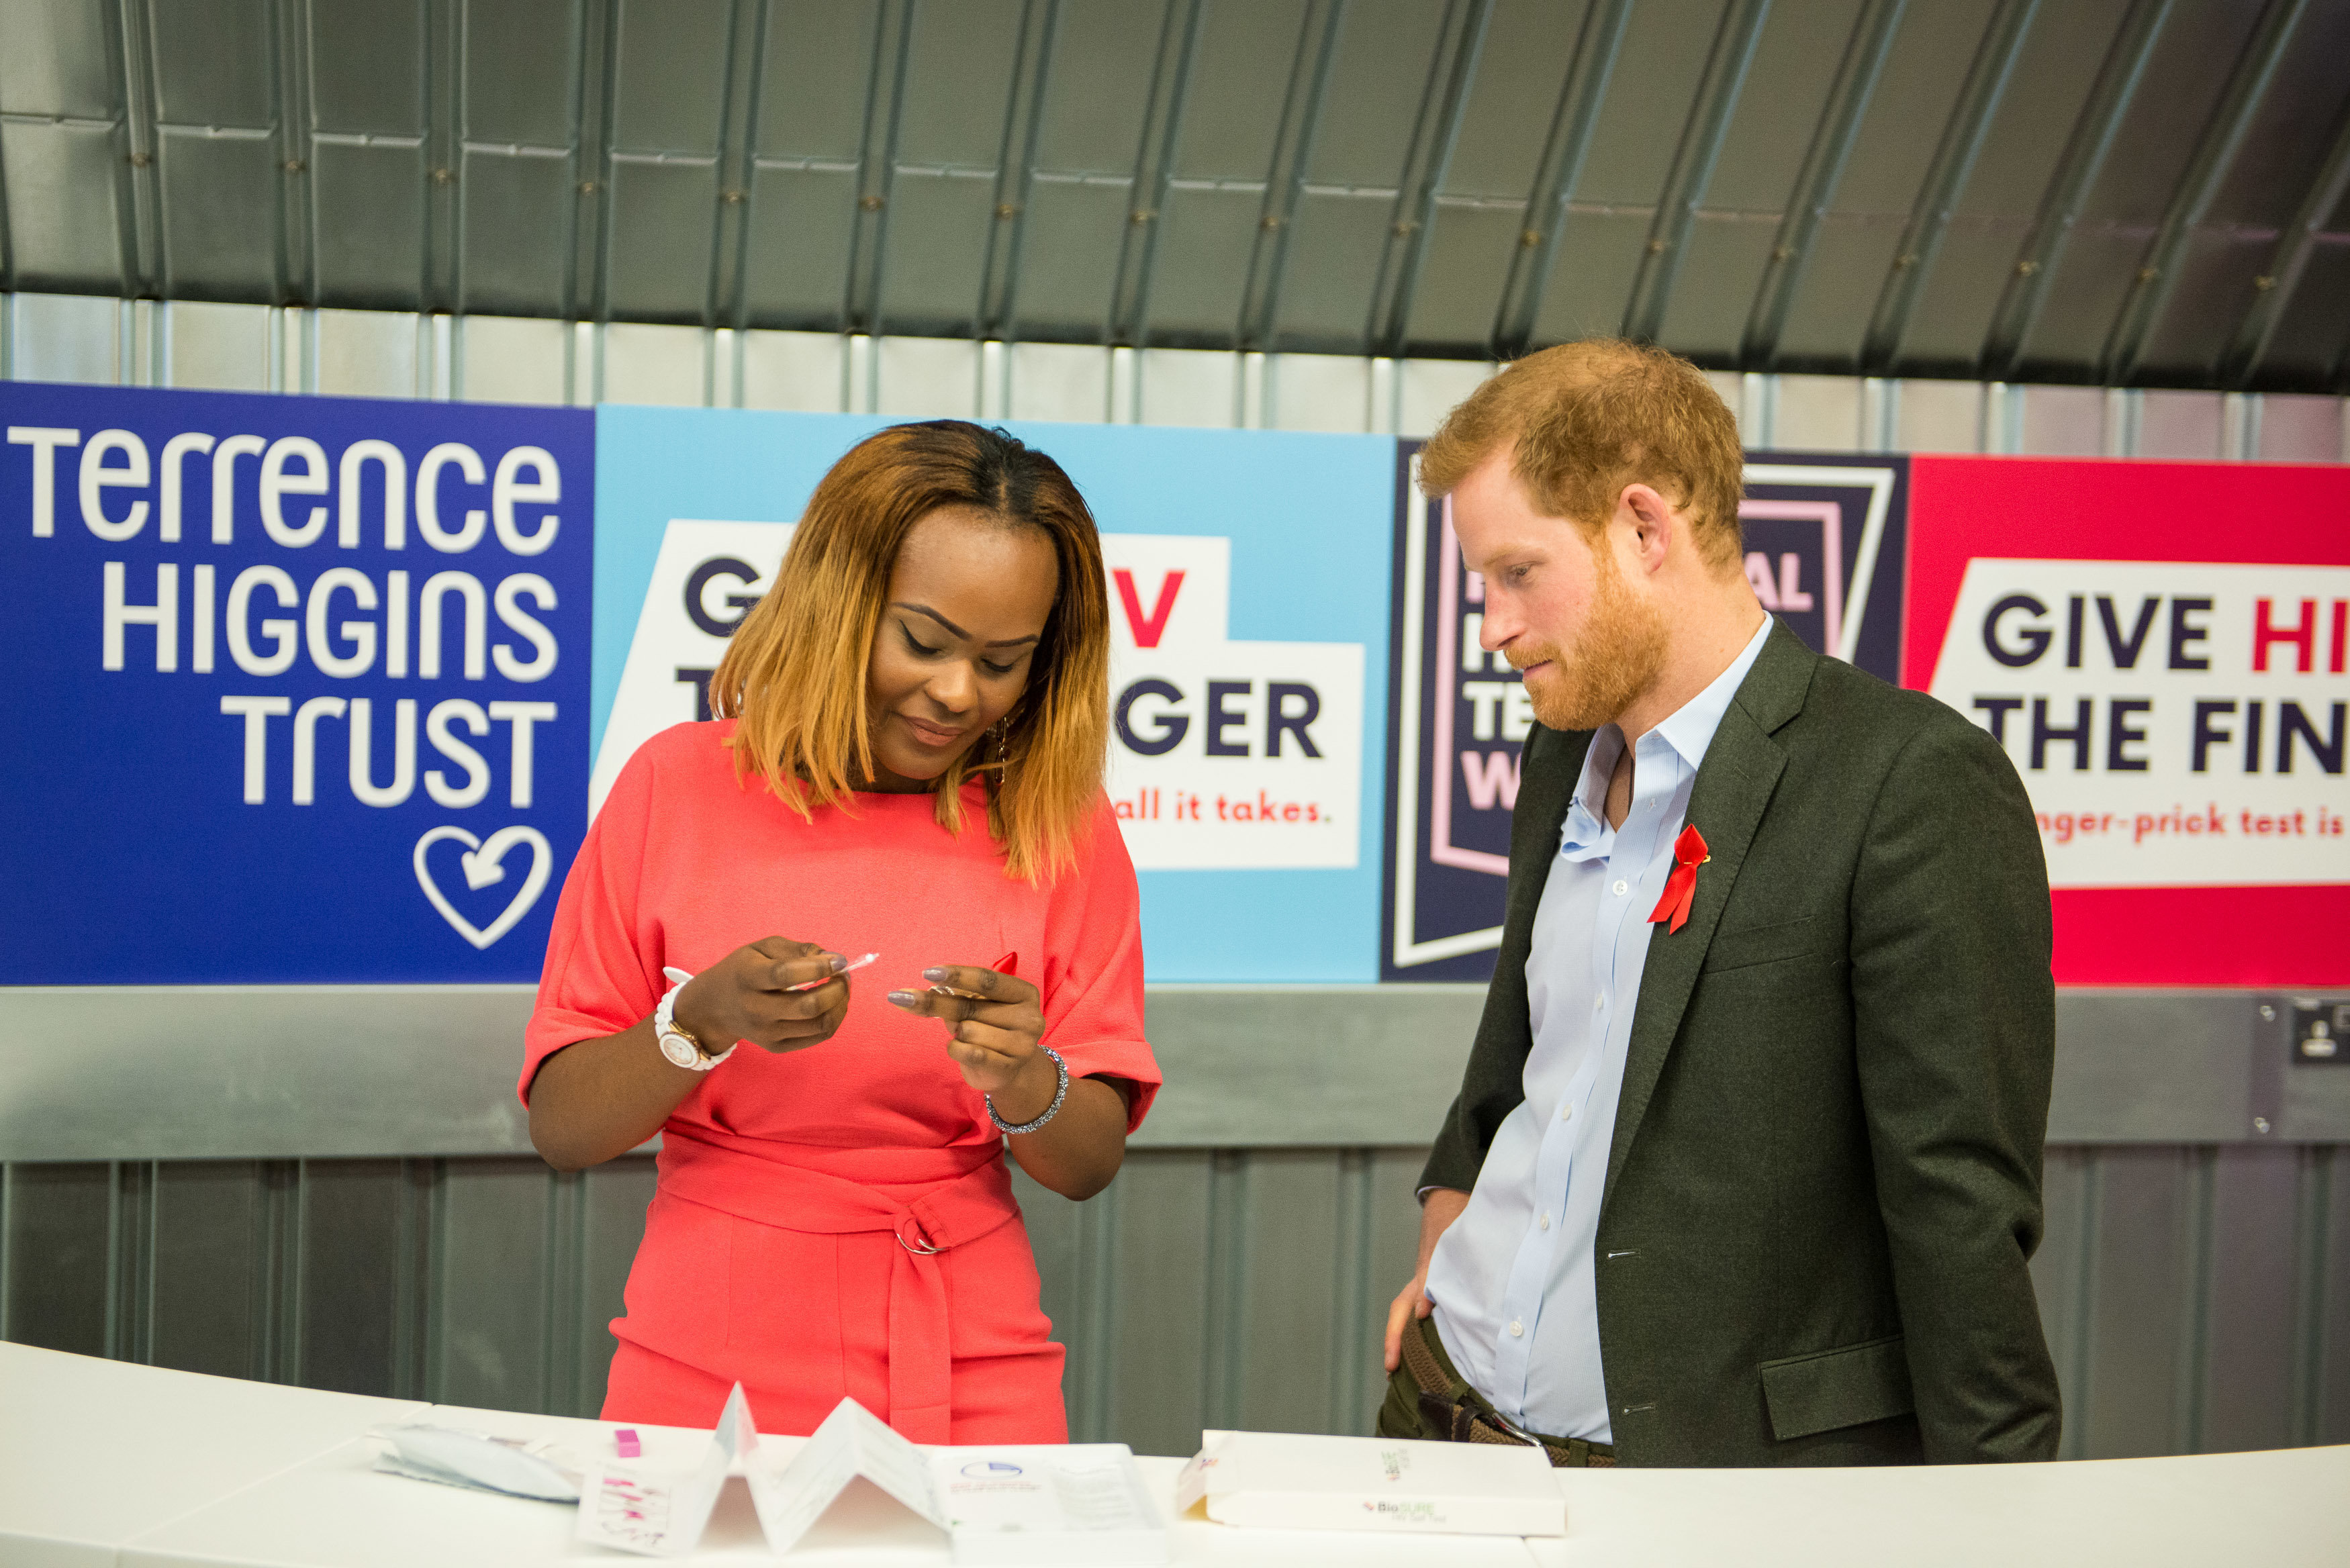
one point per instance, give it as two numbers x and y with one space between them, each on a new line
1745 1166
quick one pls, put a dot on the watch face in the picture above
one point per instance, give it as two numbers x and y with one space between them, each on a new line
678 1049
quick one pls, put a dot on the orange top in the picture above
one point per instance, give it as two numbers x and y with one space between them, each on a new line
683 864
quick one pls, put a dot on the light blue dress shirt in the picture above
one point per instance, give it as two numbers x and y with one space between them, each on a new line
1513 1280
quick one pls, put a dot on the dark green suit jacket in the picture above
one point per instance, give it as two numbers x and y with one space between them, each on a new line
1825 1184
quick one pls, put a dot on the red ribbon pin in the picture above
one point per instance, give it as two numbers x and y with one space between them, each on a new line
1680 887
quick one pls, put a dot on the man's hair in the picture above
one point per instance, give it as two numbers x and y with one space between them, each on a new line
1584 420
793 676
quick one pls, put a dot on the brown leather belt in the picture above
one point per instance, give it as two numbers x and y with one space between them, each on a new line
1455 1411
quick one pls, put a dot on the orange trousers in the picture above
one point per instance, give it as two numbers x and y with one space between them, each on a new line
899 1278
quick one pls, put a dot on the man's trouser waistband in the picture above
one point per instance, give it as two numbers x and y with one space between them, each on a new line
1453 1411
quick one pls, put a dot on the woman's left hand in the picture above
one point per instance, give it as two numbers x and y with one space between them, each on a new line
995 1021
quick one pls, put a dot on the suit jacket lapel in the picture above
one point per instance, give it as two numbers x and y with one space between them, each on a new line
1734 781
1545 793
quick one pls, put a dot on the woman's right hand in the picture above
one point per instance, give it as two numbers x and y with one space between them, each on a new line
751 995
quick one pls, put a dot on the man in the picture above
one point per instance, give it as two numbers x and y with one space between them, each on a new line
1745 1166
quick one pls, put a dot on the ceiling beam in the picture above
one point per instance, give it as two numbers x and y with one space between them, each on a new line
2083 158
297 260
1588 75
1694 158
1154 166
8 245
1015 170
131 59
440 286
1815 184
738 130
1954 160
2149 294
2273 288
1285 182
593 87
1436 131
877 164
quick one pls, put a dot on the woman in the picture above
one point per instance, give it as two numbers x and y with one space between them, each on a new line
907 761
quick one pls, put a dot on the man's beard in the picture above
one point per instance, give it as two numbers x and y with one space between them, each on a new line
1617 655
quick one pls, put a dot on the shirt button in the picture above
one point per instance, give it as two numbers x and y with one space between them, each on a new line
1622 888
1517 1329
1566 1113
1598 1003
1545 1221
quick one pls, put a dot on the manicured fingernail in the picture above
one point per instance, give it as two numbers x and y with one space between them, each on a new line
936 976
840 964
902 999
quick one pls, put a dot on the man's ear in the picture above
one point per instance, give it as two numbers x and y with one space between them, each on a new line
1649 518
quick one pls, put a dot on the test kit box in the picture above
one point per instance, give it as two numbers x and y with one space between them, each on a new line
1269 1480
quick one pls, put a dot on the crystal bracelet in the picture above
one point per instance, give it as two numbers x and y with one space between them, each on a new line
1060 1093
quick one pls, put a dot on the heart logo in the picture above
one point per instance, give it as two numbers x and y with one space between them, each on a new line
483 864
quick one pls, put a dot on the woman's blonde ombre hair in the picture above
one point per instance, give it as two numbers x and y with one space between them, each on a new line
793 677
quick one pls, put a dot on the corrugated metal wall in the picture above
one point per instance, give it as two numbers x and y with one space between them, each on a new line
246 348
2197 1298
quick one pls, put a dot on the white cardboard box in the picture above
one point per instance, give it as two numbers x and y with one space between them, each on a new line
1270 1480
1077 1503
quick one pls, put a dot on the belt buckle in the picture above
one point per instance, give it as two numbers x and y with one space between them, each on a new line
924 1248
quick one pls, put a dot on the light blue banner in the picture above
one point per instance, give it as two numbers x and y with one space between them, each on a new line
1309 519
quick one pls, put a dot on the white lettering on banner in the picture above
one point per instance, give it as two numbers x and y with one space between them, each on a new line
294 466
1224 754
2176 724
44 440
484 865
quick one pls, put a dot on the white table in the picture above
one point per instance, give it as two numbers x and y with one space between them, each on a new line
105 1464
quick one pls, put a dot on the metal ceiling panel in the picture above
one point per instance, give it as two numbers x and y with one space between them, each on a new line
1098 91
2167 120
938 223
57 63
671 75
207 70
2295 146
518 211
2031 120
1206 235
1644 104
659 246
64 231
518 74
1769 133
1240 73
368 224
366 68
1068 258
816 78
820 68
220 211
798 245
2148 192
961 66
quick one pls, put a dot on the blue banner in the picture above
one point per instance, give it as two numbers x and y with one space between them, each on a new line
296 688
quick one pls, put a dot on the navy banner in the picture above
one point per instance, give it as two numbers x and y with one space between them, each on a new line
1825 540
296 688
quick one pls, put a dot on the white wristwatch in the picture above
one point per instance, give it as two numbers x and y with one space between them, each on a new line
679 1046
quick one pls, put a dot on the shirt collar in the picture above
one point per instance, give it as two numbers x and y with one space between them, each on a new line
1688 732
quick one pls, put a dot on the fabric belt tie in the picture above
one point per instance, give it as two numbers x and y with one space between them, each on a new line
959 1208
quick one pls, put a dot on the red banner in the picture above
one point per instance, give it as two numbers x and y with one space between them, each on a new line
2161 648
